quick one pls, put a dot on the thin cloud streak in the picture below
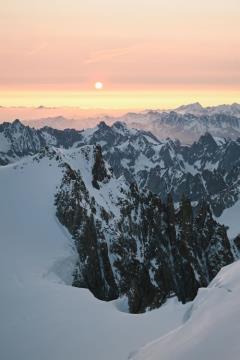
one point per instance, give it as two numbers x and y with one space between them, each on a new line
109 54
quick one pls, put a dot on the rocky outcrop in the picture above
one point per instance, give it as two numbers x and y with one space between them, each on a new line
99 171
138 246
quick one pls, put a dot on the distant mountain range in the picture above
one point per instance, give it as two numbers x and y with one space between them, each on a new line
198 109
186 123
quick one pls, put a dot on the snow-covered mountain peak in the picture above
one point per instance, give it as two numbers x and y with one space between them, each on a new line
17 124
81 159
102 125
86 165
120 127
195 108
198 109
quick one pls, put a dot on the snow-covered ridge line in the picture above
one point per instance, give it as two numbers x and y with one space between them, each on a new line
213 315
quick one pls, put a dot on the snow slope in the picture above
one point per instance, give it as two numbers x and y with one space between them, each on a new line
211 328
41 316
230 218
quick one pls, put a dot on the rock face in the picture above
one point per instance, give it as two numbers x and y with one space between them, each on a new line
132 244
99 171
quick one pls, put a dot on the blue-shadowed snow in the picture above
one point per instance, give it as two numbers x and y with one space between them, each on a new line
231 218
211 328
42 317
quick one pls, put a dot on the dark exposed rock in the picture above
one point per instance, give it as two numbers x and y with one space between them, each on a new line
237 242
96 274
99 171
148 253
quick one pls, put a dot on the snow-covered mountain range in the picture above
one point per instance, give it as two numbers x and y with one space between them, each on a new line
186 123
206 170
198 109
101 209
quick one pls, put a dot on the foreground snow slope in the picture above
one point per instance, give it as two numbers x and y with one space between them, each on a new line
42 317
211 329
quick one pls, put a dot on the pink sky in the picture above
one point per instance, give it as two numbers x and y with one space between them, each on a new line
150 46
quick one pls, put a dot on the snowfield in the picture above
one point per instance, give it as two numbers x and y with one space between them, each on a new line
230 218
41 316
211 328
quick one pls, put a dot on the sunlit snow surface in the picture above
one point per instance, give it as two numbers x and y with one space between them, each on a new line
41 318
211 328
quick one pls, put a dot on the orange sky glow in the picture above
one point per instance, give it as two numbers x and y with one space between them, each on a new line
147 54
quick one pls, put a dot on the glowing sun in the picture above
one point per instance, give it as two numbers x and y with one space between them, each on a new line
98 85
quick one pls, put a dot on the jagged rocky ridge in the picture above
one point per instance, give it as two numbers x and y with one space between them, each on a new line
207 170
18 140
132 244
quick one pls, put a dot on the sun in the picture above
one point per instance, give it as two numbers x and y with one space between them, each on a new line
98 85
